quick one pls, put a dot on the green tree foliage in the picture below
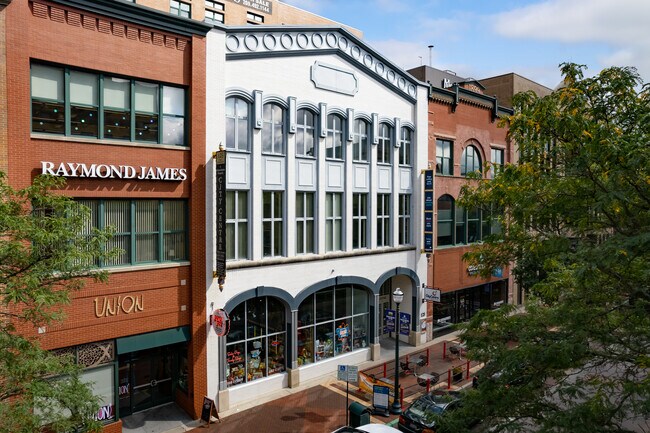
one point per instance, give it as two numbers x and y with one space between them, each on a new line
577 233
46 253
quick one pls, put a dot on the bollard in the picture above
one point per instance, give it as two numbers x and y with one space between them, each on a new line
444 350
467 377
384 369
449 379
427 356
428 385
401 396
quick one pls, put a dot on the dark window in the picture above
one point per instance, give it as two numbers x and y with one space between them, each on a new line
497 161
405 147
444 157
180 8
470 161
404 216
272 223
236 225
48 99
305 133
383 220
360 141
360 221
445 220
384 146
334 138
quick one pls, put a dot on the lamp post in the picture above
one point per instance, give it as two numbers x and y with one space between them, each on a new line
396 408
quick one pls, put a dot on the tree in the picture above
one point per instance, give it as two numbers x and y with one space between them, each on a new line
576 229
46 253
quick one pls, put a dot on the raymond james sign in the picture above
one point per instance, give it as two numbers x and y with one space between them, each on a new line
110 171
264 6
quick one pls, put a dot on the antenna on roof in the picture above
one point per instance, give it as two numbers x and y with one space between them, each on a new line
430 49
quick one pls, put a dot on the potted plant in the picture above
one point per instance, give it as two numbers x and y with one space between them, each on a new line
457 373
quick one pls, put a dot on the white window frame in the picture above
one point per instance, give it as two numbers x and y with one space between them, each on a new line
272 125
383 220
303 129
360 220
404 219
330 139
384 145
237 221
273 219
302 222
359 141
237 119
405 148
334 220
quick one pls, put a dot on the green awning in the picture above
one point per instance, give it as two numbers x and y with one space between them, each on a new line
153 339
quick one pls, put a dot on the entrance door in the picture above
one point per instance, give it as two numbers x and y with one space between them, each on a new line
145 380
384 304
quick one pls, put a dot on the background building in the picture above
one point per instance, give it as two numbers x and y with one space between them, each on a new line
504 87
464 135
236 12
325 145
118 126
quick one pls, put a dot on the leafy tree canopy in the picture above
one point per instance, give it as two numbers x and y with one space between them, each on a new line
576 231
46 251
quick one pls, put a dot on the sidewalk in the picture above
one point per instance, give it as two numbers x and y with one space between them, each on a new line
320 406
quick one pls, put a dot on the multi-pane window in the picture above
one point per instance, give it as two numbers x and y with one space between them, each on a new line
256 342
305 133
497 161
334 137
457 226
272 223
273 129
305 210
444 161
360 141
470 161
445 220
405 148
252 18
179 8
360 221
129 110
146 231
214 12
237 128
404 216
384 146
333 221
236 225
331 322
383 220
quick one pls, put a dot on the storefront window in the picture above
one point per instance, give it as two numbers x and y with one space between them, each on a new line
256 343
341 323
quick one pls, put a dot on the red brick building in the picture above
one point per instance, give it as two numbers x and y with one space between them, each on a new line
112 96
463 136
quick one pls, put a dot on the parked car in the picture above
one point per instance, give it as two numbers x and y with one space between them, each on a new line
368 428
421 415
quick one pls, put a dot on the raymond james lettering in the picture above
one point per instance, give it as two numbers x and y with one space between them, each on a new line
111 171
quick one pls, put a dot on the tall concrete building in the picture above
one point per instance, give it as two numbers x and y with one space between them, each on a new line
504 87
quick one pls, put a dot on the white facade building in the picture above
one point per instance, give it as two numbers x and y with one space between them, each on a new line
325 143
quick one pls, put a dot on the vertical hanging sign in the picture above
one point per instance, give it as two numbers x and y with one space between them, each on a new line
220 216
428 211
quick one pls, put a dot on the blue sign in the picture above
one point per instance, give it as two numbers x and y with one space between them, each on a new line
498 272
428 179
380 396
389 320
404 323
428 200
428 222
428 242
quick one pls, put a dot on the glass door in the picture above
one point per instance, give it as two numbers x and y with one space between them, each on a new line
161 383
142 395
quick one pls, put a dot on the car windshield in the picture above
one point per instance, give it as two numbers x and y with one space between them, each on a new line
424 409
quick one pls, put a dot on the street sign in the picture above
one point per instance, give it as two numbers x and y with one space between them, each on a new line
380 398
389 317
348 373
404 323
431 295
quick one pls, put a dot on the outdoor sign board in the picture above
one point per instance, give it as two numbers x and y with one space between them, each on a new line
348 373
431 295
380 397
221 322
264 6
220 192
389 320
207 410
428 211
404 323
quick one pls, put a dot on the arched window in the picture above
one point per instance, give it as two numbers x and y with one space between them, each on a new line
470 160
405 147
360 141
334 138
237 127
256 343
384 145
273 129
305 133
445 220
331 322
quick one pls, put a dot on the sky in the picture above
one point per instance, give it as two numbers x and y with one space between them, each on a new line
485 38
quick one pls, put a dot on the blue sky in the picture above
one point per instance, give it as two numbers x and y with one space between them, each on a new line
483 38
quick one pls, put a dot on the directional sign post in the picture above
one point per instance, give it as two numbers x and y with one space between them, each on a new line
348 373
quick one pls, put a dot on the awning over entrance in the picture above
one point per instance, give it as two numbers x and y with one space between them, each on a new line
153 339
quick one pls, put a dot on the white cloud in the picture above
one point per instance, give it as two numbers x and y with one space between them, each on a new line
622 25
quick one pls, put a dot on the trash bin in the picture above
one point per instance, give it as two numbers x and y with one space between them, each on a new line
359 415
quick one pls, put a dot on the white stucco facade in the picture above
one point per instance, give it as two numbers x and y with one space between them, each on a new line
329 72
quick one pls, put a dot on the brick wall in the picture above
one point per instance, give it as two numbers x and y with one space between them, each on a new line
42 31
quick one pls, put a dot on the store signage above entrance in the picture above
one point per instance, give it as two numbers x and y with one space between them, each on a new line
264 6
431 295
111 171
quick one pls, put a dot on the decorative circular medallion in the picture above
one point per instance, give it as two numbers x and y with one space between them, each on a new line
331 40
356 52
391 76
232 43
401 83
343 44
302 40
270 42
379 68
251 42
286 40
317 40
367 60
412 90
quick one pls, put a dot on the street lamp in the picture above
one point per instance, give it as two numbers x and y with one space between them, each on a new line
396 408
